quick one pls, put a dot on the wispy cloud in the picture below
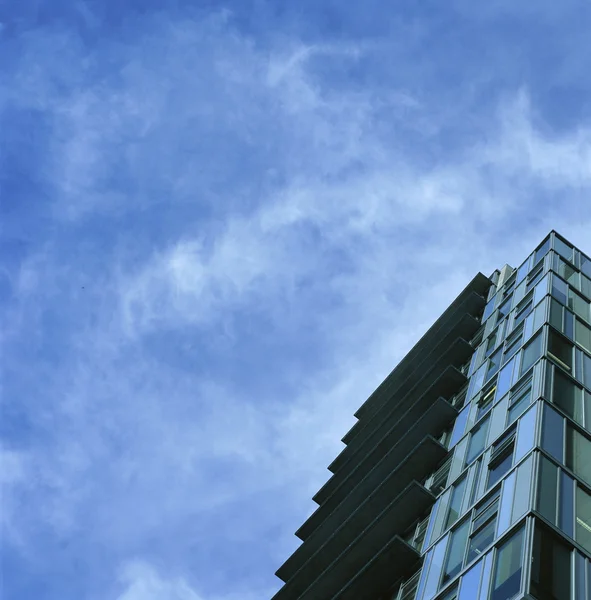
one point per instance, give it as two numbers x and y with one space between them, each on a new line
236 243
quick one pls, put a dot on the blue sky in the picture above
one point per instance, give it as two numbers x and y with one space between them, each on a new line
221 226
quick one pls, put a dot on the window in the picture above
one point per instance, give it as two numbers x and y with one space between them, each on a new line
568 396
578 450
508 567
455 553
477 441
556 315
542 250
408 589
459 399
519 401
439 478
501 459
563 248
583 335
550 572
565 270
560 350
586 265
491 342
535 276
559 290
494 362
486 400
553 433
566 508
504 309
578 304
455 504
459 426
483 527
583 530
512 344
523 309
531 353
451 594
547 488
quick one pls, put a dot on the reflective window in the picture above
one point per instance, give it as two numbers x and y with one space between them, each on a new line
531 353
583 531
451 594
483 527
522 489
565 270
550 571
583 335
568 396
477 441
434 561
518 403
580 575
534 277
523 309
578 304
586 265
455 555
566 512
456 503
587 370
563 249
486 400
542 250
504 379
547 488
509 563
559 290
459 426
553 433
470 581
494 363
578 451
560 350
556 314
501 458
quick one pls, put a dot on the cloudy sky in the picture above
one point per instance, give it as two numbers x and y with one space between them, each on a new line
222 224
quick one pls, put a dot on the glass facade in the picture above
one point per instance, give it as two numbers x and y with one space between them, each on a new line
509 495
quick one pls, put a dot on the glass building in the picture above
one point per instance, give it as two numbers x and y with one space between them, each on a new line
468 473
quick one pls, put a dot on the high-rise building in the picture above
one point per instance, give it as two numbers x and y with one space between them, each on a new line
468 473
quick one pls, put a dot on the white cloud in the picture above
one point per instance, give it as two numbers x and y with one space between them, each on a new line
335 234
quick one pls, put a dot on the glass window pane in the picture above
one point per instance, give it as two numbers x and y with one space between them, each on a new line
578 304
456 503
504 379
500 467
583 334
481 540
587 371
507 577
552 433
556 314
542 250
506 505
562 248
470 582
550 576
486 577
547 487
477 441
430 583
526 433
518 404
559 290
580 575
568 396
531 353
578 451
459 426
523 485
561 350
566 516
455 555
586 265
583 532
